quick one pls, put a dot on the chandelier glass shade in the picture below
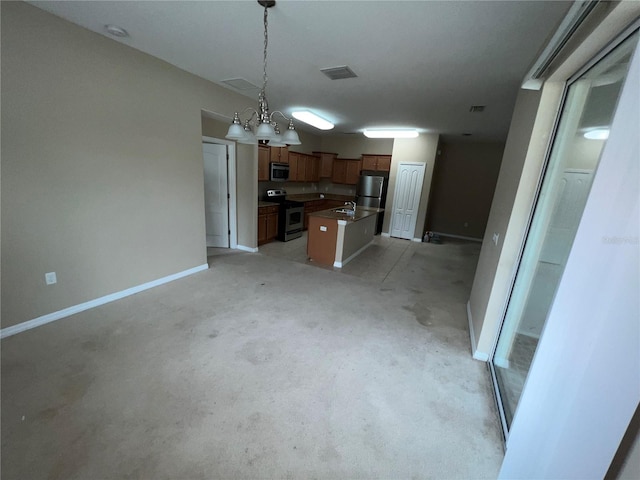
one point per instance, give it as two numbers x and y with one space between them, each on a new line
261 121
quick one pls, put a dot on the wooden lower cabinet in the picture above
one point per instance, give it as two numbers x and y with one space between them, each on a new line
310 207
267 224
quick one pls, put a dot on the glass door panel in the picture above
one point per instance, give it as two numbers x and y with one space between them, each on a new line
582 132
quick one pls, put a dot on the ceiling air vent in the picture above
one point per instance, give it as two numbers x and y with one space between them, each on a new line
477 108
338 73
240 84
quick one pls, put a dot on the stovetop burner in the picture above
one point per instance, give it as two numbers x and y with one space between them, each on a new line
280 196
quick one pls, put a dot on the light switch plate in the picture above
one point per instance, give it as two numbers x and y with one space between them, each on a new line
50 278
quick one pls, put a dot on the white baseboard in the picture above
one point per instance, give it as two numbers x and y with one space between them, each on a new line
52 317
342 264
247 249
385 234
462 237
419 240
483 357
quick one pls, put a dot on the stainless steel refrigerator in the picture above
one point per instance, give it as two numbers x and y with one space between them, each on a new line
372 192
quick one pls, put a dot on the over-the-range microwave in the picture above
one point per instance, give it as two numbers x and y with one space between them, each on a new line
279 172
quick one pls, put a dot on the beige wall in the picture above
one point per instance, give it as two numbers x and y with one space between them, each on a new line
102 173
310 143
463 184
524 154
421 149
352 146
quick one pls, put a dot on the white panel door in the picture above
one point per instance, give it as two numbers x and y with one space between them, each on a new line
406 199
216 201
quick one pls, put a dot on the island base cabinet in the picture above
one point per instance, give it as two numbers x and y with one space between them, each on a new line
321 240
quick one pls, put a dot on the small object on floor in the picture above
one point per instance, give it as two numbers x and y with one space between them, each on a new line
430 237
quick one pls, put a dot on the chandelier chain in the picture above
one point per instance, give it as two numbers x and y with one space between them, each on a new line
266 42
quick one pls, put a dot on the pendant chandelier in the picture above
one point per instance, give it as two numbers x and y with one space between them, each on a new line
266 128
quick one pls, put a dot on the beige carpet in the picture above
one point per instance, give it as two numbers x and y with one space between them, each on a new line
261 367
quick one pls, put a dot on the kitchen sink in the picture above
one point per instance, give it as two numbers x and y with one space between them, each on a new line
347 211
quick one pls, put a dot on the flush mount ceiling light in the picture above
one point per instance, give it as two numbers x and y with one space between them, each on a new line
313 119
390 133
597 134
116 31
267 129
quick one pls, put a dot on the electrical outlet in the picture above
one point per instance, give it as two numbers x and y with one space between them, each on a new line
496 237
466 224
50 278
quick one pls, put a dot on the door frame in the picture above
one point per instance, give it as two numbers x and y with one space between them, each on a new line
231 187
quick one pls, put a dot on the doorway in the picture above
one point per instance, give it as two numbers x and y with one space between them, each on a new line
406 199
219 192
586 116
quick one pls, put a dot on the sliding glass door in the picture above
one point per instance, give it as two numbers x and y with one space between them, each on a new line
582 132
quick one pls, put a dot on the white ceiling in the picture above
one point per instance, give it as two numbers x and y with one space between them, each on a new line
420 64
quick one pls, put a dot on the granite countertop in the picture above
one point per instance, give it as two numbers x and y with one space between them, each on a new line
267 204
309 197
361 212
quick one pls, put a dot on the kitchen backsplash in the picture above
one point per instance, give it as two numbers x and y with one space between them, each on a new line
294 188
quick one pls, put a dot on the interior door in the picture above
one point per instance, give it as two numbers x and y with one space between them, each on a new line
216 200
406 199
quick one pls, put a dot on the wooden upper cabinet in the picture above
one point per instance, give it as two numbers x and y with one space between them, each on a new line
294 158
263 163
313 168
326 163
384 163
380 163
353 172
297 167
339 174
369 162
279 154
302 168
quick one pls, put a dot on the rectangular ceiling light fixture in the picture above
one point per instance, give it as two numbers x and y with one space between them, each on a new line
313 119
397 133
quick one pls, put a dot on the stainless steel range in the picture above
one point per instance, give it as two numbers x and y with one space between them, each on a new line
290 216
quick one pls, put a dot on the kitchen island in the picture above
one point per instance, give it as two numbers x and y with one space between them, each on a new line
336 238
